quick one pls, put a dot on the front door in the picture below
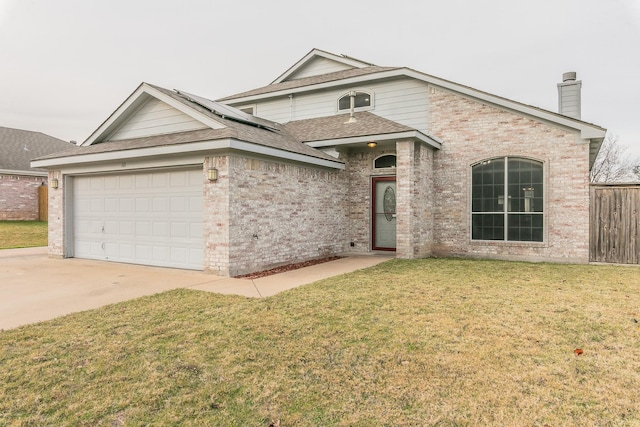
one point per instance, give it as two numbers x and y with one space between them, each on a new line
384 213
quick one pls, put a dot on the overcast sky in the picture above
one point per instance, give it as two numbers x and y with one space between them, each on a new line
66 65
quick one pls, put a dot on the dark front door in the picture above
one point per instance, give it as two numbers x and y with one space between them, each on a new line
383 227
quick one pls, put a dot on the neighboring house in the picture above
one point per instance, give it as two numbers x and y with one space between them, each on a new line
19 182
336 155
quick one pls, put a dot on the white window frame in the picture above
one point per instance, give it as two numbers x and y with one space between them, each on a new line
368 107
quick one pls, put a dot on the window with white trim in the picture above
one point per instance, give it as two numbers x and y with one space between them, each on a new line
507 200
362 100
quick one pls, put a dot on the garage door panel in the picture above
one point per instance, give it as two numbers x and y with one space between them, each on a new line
152 218
96 205
196 229
159 180
127 204
110 182
142 204
160 204
179 230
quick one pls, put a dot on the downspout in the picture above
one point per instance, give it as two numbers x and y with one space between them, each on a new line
352 106
290 106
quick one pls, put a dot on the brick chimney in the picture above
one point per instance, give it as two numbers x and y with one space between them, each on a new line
569 99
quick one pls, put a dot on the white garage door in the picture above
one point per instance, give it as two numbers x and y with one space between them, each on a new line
150 218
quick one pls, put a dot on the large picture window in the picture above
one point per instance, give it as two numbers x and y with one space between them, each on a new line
507 200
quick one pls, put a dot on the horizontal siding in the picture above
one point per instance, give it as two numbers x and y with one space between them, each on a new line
156 118
319 66
404 101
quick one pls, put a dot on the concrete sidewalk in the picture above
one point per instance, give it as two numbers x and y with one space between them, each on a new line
34 287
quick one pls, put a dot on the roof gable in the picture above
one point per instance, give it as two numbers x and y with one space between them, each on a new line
318 62
144 100
155 117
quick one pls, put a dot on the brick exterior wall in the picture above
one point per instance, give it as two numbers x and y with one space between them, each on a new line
264 213
56 227
360 170
19 197
473 131
414 200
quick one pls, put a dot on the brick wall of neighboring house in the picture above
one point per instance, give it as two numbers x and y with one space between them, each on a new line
473 131
265 213
19 197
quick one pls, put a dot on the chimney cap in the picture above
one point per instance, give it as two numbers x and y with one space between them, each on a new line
569 76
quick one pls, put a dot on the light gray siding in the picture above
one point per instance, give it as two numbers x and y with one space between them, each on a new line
156 118
317 67
404 101
569 99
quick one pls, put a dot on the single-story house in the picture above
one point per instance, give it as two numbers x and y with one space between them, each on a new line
335 155
19 181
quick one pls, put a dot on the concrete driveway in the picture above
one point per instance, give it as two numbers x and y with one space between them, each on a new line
34 287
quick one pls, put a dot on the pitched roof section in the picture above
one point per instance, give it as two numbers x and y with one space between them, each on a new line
339 126
310 81
134 102
333 131
18 147
256 132
317 55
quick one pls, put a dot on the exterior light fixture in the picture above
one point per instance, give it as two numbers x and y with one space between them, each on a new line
54 183
212 174
372 144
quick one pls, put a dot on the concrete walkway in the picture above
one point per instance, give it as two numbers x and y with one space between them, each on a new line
34 287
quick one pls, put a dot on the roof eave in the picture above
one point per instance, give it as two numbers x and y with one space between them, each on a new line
395 136
187 148
22 172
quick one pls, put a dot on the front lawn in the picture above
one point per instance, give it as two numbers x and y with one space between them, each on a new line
428 342
22 234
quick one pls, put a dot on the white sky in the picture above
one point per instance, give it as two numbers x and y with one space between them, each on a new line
66 65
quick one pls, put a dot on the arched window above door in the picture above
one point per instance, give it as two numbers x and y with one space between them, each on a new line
385 161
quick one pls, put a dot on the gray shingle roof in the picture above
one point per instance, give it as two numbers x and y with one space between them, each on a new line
289 137
307 81
335 127
18 147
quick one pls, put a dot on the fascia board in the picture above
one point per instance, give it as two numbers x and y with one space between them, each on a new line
134 102
22 173
587 130
431 141
181 149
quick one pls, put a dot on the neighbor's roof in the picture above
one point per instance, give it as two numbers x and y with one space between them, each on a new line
18 147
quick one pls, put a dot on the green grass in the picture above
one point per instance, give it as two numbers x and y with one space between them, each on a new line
429 342
22 234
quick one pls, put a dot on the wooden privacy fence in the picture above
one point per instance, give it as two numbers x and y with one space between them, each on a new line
43 203
615 224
